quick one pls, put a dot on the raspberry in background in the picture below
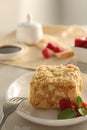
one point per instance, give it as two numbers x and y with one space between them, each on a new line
81 42
50 46
46 52
78 42
54 48
58 49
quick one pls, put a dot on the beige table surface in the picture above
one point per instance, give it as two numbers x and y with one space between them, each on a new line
14 122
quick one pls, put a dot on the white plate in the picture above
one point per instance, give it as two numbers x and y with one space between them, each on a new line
20 88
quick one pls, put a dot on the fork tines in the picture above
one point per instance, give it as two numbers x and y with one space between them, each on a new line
16 99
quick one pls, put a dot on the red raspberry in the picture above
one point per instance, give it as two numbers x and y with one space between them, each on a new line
84 105
57 49
84 40
84 45
54 48
46 53
74 106
78 42
64 103
50 46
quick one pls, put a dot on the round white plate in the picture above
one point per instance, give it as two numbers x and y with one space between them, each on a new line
20 88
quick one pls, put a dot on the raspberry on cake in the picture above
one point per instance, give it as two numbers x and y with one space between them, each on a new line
50 84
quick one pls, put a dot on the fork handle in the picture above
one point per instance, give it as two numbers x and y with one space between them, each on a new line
2 122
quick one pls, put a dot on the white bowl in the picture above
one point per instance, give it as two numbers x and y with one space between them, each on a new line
80 54
10 51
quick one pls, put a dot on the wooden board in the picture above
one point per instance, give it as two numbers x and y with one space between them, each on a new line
32 57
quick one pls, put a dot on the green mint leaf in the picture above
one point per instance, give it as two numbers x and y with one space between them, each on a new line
79 101
82 111
67 113
86 108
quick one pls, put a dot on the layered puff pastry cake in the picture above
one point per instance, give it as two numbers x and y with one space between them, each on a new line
50 84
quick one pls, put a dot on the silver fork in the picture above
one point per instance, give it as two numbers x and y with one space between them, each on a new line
10 106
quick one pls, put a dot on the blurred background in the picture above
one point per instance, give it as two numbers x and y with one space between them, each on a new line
60 12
